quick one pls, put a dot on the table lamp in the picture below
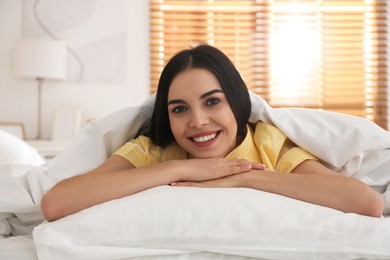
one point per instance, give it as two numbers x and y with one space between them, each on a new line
40 59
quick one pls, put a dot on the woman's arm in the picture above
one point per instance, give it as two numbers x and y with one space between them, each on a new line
311 182
117 178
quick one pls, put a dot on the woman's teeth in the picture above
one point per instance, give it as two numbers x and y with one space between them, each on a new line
204 138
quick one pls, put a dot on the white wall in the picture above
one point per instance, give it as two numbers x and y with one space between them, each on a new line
18 97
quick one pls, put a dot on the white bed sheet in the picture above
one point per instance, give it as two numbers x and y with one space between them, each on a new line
22 248
22 186
17 248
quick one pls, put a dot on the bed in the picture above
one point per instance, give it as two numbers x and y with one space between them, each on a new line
193 223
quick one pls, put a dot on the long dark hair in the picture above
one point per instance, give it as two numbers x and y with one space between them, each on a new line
212 59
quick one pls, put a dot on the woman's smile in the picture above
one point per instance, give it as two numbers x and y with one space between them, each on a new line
205 139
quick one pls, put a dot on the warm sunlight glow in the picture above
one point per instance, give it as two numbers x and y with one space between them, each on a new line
295 48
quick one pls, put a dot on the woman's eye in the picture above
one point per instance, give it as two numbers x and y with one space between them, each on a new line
179 109
212 101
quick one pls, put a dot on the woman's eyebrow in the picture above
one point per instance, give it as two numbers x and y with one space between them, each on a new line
181 101
210 93
176 101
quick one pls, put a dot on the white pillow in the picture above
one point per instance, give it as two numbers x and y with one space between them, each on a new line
15 151
231 221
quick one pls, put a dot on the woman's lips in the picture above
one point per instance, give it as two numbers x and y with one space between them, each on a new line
205 139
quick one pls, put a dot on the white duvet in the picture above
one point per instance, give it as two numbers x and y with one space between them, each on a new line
174 221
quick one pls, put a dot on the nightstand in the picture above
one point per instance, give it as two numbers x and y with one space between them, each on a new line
48 148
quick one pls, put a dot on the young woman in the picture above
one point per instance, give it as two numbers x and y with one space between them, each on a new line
200 137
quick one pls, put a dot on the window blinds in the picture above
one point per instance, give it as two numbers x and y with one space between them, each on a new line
322 54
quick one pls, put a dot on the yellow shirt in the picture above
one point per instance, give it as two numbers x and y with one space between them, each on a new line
265 144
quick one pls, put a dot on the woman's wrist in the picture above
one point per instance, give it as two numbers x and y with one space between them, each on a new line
252 178
247 178
174 170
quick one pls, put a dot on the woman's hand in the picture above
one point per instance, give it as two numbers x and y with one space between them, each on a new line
214 172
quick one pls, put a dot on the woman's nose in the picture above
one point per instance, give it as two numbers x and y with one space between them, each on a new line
198 119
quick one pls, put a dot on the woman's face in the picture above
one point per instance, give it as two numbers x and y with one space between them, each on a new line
200 116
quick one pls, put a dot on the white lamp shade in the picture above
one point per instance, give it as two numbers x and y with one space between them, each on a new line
40 58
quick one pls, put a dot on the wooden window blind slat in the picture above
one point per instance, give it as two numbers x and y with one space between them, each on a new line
328 54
